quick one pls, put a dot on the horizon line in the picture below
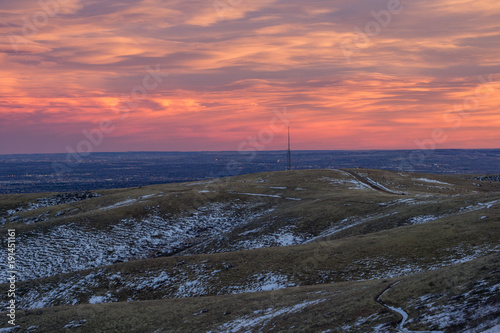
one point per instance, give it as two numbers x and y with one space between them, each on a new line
236 151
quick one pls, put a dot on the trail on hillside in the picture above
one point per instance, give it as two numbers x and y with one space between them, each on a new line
371 183
399 311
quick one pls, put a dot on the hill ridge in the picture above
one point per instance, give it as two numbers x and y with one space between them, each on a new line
248 234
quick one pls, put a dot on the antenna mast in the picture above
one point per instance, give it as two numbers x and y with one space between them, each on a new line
289 159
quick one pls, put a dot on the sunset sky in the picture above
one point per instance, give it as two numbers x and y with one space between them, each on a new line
370 74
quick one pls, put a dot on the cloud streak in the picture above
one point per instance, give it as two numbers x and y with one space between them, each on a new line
230 67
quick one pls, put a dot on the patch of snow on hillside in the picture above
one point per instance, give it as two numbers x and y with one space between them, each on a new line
262 282
287 239
251 322
73 247
409 201
423 219
68 291
431 181
127 202
250 232
473 306
260 195
387 267
351 183
75 323
479 206
267 195
494 329
149 279
98 299
346 224
284 237
147 196
190 281
58 199
192 288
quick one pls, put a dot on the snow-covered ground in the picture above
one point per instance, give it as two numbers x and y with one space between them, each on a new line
252 323
190 281
267 234
423 219
479 206
476 303
72 247
12 215
127 202
387 267
351 183
431 181
268 195
262 282
201 279
259 238
57 199
346 224
472 311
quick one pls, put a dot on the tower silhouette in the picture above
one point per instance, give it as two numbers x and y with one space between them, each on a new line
289 157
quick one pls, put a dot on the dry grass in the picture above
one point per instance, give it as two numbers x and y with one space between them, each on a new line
325 269
342 304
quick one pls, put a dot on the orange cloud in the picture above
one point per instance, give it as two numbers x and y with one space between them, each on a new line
232 62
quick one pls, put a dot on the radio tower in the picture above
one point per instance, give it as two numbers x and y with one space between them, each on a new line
289 157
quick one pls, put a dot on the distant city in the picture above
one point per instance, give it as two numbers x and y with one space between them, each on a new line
62 172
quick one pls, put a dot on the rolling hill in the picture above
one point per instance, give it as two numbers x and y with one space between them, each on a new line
352 250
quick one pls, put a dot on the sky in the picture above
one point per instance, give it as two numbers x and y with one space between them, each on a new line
188 75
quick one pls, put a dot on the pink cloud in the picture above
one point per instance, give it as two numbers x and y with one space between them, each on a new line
229 68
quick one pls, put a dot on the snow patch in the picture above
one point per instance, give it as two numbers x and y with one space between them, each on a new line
263 282
73 247
351 183
469 307
120 204
250 323
260 195
98 299
495 329
283 237
431 181
267 195
423 219
346 224
75 323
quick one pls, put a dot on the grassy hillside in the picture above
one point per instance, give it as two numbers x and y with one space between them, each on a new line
468 292
308 249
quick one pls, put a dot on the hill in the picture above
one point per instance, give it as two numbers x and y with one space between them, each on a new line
352 250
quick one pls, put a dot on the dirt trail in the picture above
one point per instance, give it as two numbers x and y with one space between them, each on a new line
371 183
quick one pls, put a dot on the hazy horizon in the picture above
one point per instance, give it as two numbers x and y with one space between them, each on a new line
262 151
